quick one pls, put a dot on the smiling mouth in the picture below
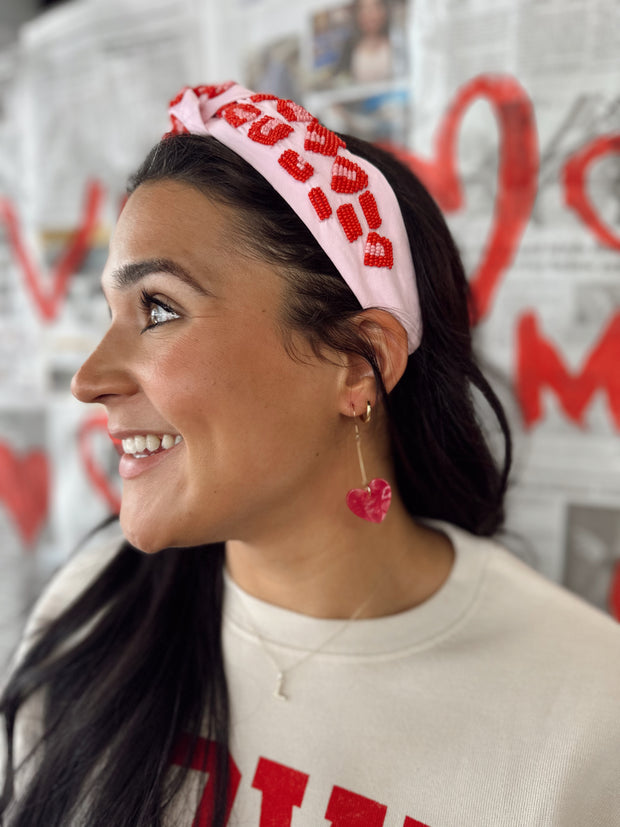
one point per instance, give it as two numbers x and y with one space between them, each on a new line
142 446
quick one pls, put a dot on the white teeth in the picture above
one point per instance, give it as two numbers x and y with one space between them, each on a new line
152 442
144 445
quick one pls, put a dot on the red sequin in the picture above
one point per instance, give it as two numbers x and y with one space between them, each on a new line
347 176
238 113
269 131
320 139
349 222
371 211
295 165
378 251
319 201
293 111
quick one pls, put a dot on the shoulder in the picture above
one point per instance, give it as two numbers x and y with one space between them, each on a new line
537 621
70 581
547 665
519 587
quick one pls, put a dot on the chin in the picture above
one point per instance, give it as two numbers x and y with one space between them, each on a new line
143 542
150 535
143 534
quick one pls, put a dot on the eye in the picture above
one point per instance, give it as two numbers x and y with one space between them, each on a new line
157 311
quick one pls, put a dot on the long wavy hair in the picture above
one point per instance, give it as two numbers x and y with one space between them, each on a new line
116 702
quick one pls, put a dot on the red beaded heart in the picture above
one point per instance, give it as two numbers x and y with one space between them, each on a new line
371 503
320 139
238 113
378 251
347 176
295 165
293 111
269 131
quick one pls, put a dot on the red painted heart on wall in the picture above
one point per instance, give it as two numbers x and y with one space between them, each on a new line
517 175
575 181
24 489
49 301
97 475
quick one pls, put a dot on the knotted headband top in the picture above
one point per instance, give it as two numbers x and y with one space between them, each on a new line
344 200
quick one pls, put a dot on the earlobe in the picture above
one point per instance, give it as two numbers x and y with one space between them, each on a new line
359 386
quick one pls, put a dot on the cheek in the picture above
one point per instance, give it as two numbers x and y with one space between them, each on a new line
181 376
237 399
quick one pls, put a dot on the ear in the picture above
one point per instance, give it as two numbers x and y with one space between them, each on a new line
388 339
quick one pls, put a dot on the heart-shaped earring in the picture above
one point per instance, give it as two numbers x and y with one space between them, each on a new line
372 501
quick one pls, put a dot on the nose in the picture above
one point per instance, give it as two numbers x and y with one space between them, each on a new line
105 374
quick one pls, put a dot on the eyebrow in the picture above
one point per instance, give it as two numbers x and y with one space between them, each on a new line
129 274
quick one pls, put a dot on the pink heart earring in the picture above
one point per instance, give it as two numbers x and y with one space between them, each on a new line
373 500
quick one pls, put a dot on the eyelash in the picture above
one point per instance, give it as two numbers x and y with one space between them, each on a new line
148 301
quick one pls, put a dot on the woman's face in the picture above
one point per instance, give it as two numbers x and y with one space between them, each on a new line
371 16
194 354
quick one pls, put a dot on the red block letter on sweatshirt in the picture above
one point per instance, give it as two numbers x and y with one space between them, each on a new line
283 788
347 809
204 760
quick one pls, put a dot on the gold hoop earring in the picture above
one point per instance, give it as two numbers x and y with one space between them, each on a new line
373 500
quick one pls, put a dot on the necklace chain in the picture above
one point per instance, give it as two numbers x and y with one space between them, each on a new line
281 672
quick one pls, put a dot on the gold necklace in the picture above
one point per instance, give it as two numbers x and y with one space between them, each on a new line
281 672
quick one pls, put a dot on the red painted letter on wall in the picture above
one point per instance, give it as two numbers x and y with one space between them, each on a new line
48 300
539 365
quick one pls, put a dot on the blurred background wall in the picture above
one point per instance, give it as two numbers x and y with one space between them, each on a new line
508 109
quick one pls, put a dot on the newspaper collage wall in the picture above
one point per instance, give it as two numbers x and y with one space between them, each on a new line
510 112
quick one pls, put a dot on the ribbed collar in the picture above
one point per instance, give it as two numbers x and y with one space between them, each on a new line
380 637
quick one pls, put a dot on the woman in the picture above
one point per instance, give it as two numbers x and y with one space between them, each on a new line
368 58
315 628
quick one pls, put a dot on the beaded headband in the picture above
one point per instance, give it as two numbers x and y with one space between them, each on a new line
334 192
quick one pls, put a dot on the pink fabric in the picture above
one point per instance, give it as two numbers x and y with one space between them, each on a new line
343 199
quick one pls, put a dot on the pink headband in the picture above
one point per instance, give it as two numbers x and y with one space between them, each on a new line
344 200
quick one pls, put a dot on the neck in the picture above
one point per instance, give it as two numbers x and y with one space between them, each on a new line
344 566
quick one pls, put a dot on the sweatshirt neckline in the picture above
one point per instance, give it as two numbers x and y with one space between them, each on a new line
418 627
